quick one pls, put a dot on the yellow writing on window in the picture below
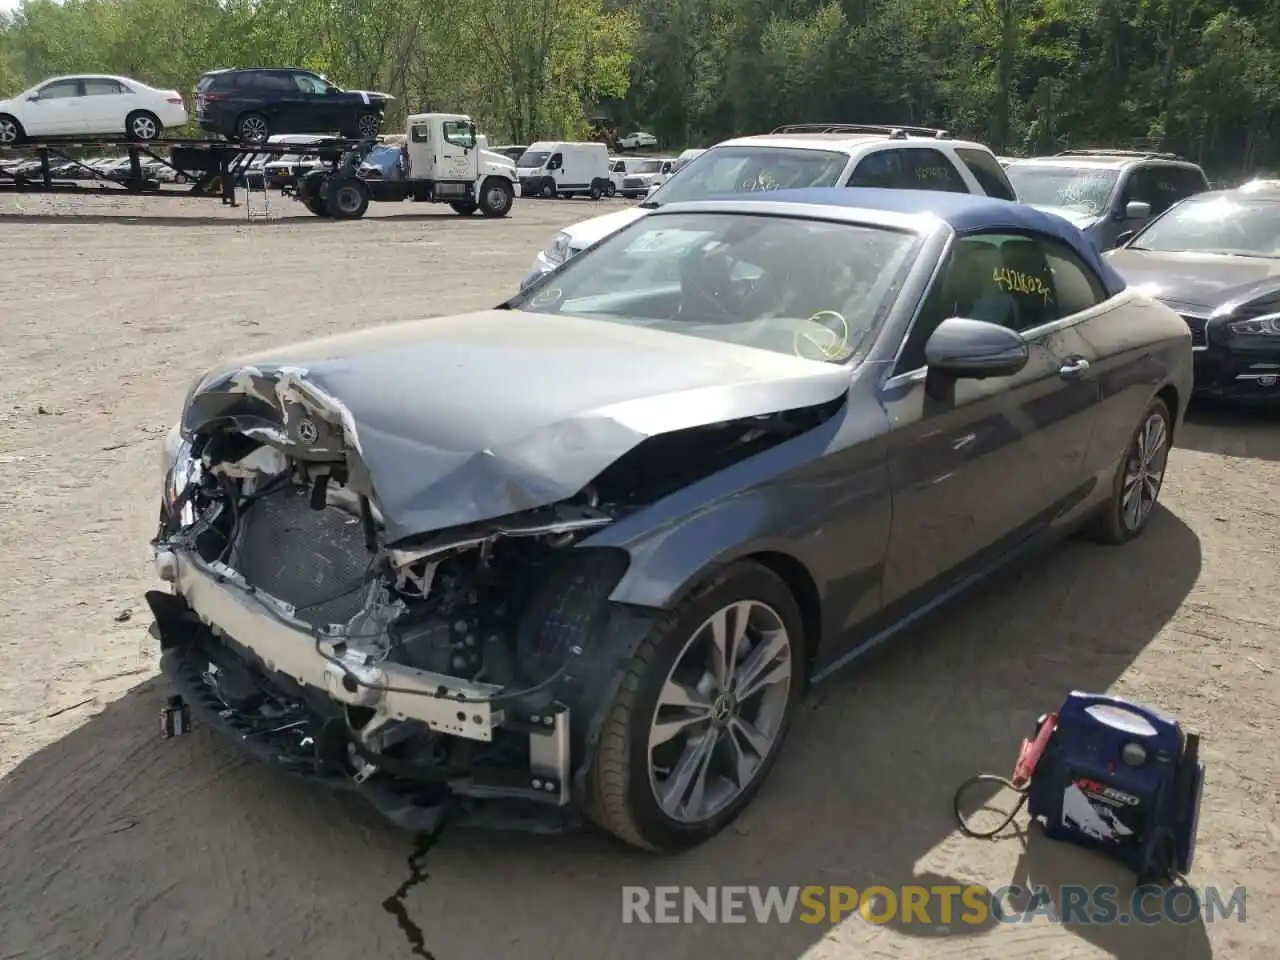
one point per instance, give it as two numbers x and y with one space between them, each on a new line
931 173
1015 281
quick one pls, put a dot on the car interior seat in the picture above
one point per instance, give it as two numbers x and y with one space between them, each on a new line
972 290
1029 283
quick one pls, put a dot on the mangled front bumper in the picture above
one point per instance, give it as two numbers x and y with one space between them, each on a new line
213 614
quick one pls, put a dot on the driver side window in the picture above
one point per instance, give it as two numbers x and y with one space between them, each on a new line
458 132
556 162
309 84
1017 281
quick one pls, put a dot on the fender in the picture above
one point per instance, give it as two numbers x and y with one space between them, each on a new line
833 509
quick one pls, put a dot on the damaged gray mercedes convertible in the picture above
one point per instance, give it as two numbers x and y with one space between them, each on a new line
582 554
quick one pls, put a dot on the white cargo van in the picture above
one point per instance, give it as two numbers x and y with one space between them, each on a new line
559 169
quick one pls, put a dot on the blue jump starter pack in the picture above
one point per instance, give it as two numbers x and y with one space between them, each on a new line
1118 778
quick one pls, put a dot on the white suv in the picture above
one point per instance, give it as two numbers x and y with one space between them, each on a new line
805 155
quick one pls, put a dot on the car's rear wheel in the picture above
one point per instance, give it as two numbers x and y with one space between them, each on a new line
1138 479
348 199
701 713
143 126
11 131
253 128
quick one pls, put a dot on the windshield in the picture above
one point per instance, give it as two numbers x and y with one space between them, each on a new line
1084 189
724 171
533 158
810 288
648 166
1249 228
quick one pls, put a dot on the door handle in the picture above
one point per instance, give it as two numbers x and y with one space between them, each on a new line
1073 368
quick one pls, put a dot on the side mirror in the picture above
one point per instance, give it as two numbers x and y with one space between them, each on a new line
1137 210
1124 237
33 97
974 349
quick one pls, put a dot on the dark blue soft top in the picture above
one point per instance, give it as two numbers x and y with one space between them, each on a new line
964 212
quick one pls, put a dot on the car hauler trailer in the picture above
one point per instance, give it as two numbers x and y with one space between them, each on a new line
210 168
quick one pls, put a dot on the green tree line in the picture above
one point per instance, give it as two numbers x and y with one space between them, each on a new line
1024 76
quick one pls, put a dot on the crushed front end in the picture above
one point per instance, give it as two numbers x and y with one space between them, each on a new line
295 629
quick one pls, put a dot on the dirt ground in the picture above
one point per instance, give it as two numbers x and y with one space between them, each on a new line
114 844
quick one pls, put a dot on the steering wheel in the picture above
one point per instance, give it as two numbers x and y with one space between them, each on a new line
830 341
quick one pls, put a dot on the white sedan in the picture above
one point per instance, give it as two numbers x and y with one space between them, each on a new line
637 141
90 105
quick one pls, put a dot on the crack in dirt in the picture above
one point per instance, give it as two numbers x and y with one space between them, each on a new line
395 905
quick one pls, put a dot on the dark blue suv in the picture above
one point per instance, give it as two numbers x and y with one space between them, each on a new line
252 105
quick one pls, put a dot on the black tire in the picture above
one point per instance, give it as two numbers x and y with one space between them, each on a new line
348 199
619 797
143 126
611 189
11 132
1111 526
252 128
596 192
317 206
496 197
368 126
548 191
464 208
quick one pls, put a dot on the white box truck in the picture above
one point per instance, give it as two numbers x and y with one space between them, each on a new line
562 169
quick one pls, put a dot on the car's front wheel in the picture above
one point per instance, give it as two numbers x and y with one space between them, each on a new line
701 712
369 126
1138 479
11 131
143 126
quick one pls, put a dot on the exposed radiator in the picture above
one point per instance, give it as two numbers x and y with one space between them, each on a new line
313 559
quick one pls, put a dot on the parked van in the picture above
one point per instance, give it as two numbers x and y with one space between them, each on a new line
559 169
645 173
622 167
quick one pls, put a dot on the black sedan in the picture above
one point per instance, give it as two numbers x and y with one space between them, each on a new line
1215 258
587 550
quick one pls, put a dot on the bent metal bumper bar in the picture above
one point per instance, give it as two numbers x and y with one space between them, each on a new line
268 628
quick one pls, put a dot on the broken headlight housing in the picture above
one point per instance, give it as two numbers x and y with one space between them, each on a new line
558 251
180 469
1267 326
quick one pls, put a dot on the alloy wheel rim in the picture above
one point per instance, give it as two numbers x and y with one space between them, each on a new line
369 127
254 130
144 128
8 131
720 711
497 198
1144 472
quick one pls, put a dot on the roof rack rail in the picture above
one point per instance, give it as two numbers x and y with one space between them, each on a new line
1107 152
895 131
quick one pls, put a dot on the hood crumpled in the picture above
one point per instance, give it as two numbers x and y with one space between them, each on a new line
461 419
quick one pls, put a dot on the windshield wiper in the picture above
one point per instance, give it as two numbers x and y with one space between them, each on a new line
649 205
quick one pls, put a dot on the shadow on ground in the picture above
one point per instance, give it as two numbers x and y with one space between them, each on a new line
119 845
234 218
1233 430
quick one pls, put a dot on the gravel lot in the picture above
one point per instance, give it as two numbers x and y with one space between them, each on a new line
116 845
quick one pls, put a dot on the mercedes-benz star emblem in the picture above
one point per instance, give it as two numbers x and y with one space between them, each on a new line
307 431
